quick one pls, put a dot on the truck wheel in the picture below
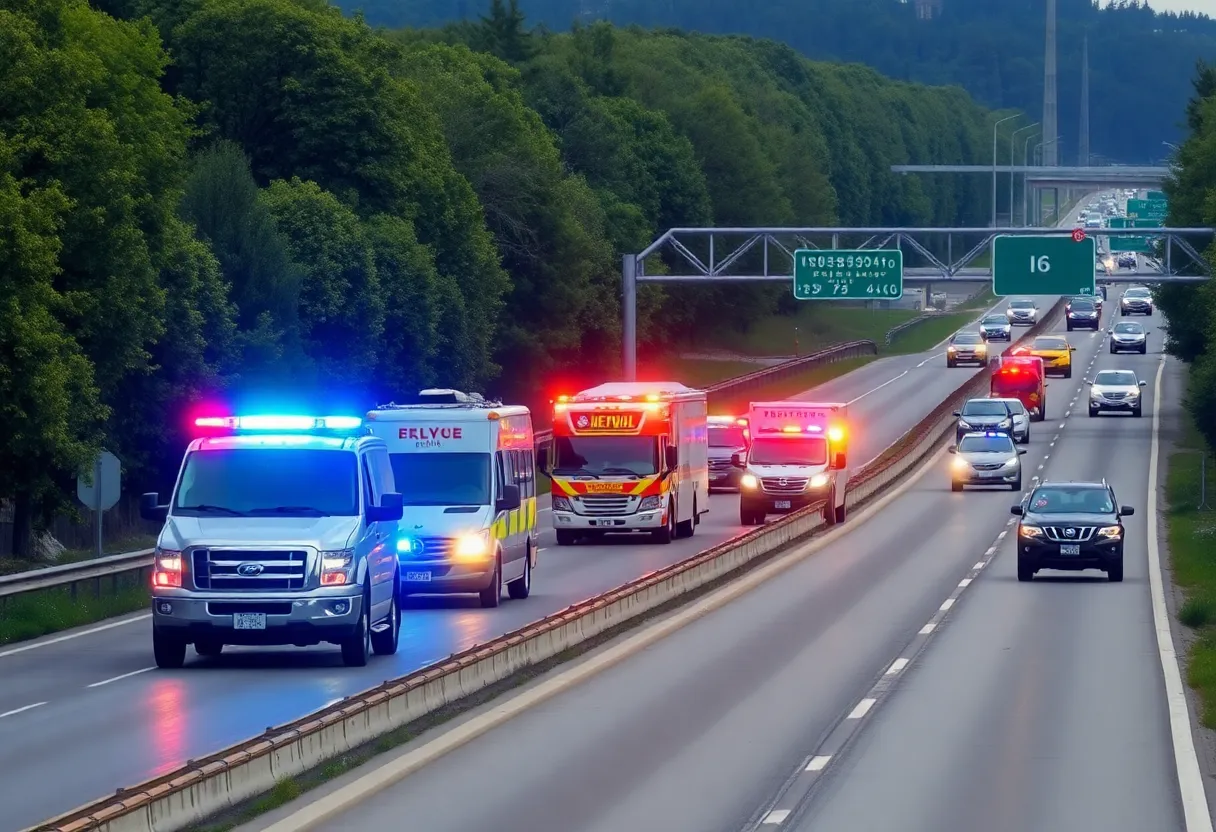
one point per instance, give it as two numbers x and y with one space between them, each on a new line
1138 412
521 587
686 528
1115 573
357 647
384 643
829 509
955 485
666 534
168 649
842 511
565 538
1068 372
491 596
1025 571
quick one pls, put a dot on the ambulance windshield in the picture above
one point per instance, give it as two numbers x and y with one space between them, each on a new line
786 450
261 482
726 436
606 456
444 479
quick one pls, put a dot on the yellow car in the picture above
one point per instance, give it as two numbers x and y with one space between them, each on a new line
1056 353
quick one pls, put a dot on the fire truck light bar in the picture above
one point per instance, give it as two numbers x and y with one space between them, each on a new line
280 423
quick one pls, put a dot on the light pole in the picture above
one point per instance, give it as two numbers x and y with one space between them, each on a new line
1026 181
994 128
1011 176
1038 151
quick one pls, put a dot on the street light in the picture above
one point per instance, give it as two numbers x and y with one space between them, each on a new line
1038 151
994 127
1011 176
1026 181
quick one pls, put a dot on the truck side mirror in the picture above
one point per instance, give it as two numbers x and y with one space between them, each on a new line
391 508
1017 511
840 461
958 413
1021 452
509 501
1144 384
1126 511
151 509
953 449
542 460
737 460
672 458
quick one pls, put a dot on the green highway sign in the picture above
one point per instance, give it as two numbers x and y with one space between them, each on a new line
1117 222
1156 196
1147 209
1141 245
1042 266
837 274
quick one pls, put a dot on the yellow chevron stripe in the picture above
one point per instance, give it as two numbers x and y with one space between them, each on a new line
565 486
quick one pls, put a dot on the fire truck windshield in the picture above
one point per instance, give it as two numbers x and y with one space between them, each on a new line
726 436
600 456
787 450
447 479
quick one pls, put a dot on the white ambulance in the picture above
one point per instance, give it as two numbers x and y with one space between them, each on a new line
798 456
466 469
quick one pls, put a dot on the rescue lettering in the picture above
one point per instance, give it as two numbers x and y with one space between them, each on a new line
793 414
613 421
431 433
606 487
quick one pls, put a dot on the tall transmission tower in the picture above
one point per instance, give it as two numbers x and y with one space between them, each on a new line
1050 122
1083 135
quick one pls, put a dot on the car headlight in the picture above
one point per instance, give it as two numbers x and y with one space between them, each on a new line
1012 462
167 569
961 464
962 423
819 480
749 481
562 504
473 545
1110 532
951 349
650 503
981 347
1030 531
1005 423
337 567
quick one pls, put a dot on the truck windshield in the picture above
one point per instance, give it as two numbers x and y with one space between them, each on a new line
726 436
810 450
447 479
269 482
611 456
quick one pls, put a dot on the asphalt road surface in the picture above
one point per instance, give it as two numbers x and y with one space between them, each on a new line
1035 706
85 713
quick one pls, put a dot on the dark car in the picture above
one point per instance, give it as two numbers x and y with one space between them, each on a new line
966 348
1082 313
728 436
1071 526
1136 301
996 328
983 415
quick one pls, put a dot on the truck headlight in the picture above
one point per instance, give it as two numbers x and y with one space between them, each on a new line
819 480
562 504
1030 531
749 481
1110 532
960 464
337 567
168 568
472 546
650 503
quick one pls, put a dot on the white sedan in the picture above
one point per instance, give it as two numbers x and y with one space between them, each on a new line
1021 420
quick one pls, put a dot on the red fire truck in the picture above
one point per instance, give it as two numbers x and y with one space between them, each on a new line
1022 377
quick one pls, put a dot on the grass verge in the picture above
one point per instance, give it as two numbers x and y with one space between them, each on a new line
46 611
11 566
1191 536
928 334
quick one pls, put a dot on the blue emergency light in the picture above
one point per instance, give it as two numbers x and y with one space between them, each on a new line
280 424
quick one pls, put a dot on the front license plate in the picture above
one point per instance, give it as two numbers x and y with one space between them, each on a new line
418 577
781 504
1070 549
249 621
607 522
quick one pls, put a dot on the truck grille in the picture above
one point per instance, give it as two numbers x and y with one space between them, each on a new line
719 465
987 466
784 485
433 548
219 570
606 505
1114 395
1059 534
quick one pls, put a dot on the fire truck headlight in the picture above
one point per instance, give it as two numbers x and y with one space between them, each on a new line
562 504
749 481
819 480
650 503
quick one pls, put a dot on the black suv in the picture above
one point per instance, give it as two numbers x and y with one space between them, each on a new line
1071 526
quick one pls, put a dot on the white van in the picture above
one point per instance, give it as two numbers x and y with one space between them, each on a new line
466 469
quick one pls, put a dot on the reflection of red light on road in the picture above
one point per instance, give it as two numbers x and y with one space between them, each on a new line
166 708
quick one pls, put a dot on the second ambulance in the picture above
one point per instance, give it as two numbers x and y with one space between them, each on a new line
798 456
466 470
629 457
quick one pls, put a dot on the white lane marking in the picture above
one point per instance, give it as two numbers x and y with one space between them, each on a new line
946 605
930 358
14 651
1001 536
819 763
543 510
879 387
16 711
776 817
989 552
1046 457
1040 468
863 708
964 583
928 628
1190 779
896 666
1062 425
981 564
1067 413
123 676
1051 444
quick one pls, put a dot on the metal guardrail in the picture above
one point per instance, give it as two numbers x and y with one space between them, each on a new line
72 575
181 798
